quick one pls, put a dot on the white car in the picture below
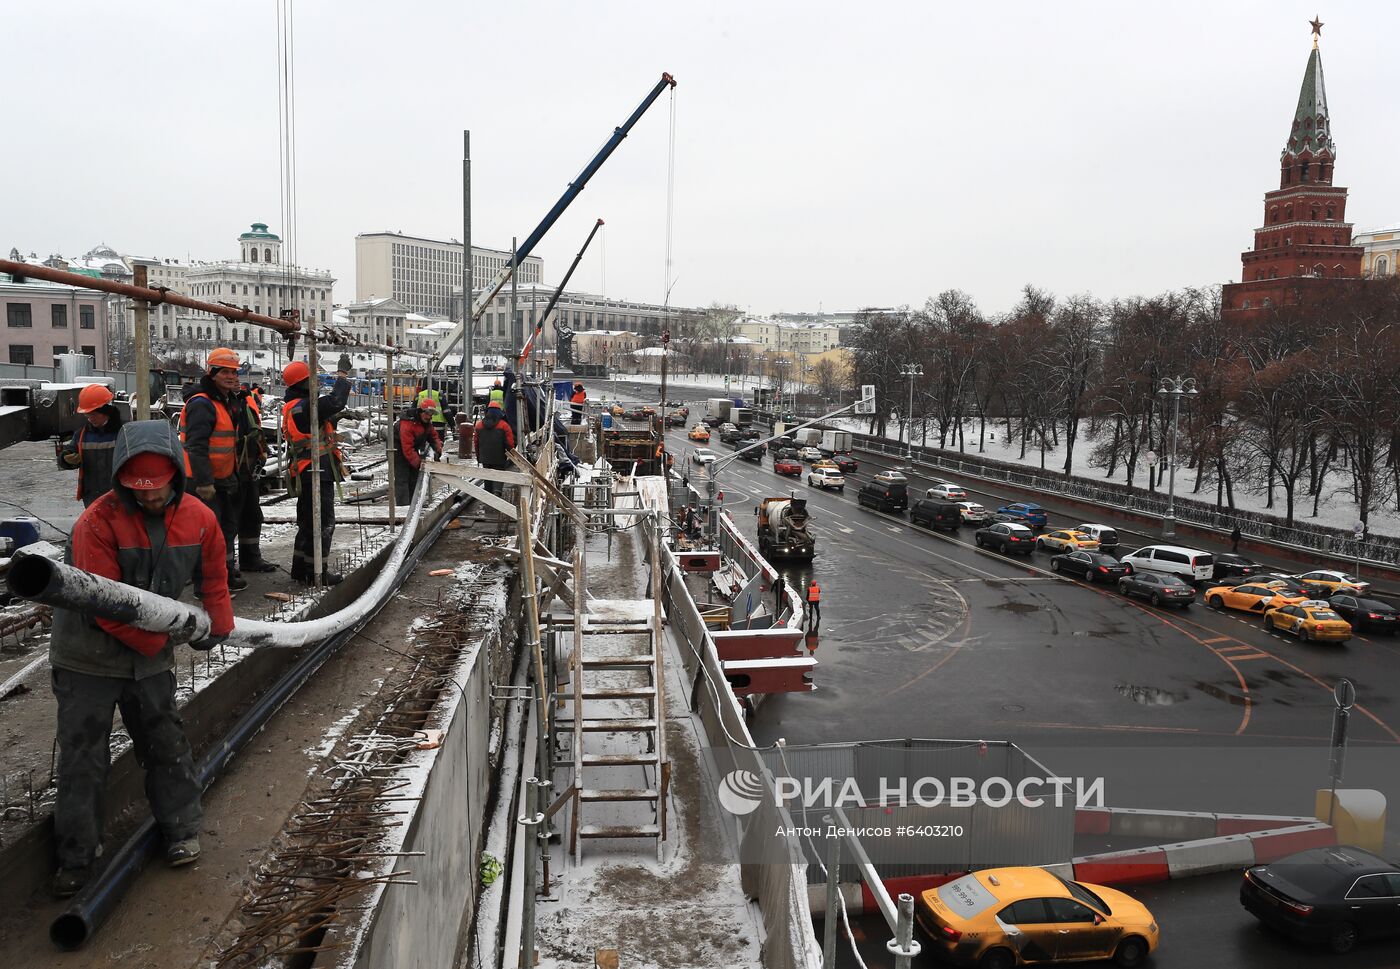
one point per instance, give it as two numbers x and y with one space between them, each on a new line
1334 581
973 513
947 491
826 478
810 453
702 455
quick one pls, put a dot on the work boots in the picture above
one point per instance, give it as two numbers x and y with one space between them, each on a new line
250 560
327 578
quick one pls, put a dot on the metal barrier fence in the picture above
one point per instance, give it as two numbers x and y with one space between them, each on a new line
1376 549
778 878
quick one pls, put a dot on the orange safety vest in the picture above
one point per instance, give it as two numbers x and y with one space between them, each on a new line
299 442
579 397
814 593
222 439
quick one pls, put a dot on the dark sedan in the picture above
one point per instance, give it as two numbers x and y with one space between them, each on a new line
1337 895
1009 537
1159 588
1366 614
1090 566
1228 565
846 463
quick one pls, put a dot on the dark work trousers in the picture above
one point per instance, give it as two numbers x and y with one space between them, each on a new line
578 414
814 614
225 508
303 562
779 595
250 519
151 716
496 487
405 481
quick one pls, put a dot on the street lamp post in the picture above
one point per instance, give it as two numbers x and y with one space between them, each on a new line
1176 388
910 371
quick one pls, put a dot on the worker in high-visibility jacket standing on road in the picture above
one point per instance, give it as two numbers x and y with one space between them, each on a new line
309 485
212 425
90 448
814 605
145 532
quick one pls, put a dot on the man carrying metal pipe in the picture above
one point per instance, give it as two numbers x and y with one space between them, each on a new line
146 532
296 430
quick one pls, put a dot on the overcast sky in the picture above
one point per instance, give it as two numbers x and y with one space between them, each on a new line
827 154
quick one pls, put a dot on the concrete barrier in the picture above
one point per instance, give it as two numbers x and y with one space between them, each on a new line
1209 855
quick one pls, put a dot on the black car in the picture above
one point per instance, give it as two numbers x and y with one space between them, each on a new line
1366 614
730 435
846 463
1009 537
1337 895
1161 589
1092 566
935 513
1284 583
888 496
784 454
1228 565
753 454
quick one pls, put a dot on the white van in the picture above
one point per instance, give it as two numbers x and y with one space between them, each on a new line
1105 535
1190 564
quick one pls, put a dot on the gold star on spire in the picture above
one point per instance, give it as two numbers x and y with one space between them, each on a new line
1317 25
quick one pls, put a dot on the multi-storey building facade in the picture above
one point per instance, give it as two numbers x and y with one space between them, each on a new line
1305 237
423 274
790 337
43 319
578 311
1380 250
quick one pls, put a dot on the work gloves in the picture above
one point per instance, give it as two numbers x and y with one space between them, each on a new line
206 493
208 643
343 365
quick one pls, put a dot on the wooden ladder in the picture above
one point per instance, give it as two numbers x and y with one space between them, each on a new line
631 619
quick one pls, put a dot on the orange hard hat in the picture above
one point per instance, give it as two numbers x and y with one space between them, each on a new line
427 404
295 372
223 357
92 397
146 471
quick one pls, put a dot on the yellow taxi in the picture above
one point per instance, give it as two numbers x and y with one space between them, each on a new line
1312 621
1326 579
1067 540
1251 598
700 433
1005 917
618 410
825 464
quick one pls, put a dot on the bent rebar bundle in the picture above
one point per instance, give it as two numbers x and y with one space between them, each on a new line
74 589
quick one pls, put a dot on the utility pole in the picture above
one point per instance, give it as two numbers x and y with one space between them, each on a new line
467 324
1176 388
910 371
143 348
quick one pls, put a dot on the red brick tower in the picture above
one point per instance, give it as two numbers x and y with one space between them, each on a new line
1305 238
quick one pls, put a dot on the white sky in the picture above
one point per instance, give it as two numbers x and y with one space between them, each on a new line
833 154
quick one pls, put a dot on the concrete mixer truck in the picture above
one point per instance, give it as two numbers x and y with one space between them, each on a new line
782 529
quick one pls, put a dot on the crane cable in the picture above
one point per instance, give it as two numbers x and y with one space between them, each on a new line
670 203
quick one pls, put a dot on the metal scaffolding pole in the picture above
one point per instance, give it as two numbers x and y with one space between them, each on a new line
467 322
143 349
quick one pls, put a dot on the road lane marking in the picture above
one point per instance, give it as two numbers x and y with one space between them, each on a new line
1241 659
1217 639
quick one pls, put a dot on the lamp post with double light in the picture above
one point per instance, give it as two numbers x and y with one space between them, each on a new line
910 371
1176 388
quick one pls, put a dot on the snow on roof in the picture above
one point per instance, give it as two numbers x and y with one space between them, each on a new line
420 331
653 352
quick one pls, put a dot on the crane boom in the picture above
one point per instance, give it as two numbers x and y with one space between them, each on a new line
570 193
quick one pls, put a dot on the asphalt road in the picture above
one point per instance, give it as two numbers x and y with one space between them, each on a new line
924 635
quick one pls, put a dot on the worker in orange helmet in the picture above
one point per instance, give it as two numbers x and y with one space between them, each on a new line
89 450
814 605
318 482
214 425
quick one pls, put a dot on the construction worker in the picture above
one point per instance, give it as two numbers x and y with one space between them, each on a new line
493 439
149 533
576 402
779 594
497 397
814 604
251 456
426 393
296 429
213 423
413 435
90 448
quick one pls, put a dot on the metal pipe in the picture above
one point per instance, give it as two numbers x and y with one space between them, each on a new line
90 907
159 295
313 398
142 323
41 579
390 438
467 321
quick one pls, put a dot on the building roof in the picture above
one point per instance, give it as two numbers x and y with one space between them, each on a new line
259 231
1312 129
